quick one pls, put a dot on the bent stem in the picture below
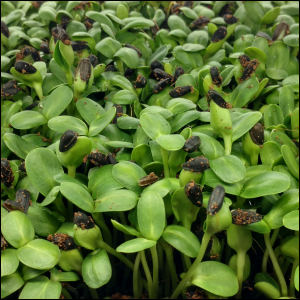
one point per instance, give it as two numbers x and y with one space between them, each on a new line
135 281
227 143
164 154
292 285
266 254
241 259
148 275
38 90
69 78
99 219
193 268
284 290
155 269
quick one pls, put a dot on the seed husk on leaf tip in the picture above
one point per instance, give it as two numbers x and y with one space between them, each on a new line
194 193
161 85
178 72
26 51
63 241
148 180
119 113
68 140
281 31
216 200
156 65
196 164
192 144
159 74
93 59
85 69
181 91
219 34
257 134
98 159
21 203
230 19
24 67
129 72
140 82
218 99
64 37
200 22
83 221
79 46
245 217
215 76
249 70
244 60
45 47
10 89
7 176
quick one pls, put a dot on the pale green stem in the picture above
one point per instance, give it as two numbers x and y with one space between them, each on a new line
99 219
164 154
284 290
155 269
187 261
241 258
240 202
148 275
94 293
292 285
69 77
135 281
72 171
38 90
266 254
227 144
45 130
193 268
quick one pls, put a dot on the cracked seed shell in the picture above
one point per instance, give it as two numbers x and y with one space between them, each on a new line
200 22
219 34
83 221
98 159
181 91
230 19
218 99
63 241
55 32
27 50
192 144
194 193
85 69
24 67
178 72
21 203
140 82
257 134
148 180
10 89
160 74
93 59
68 140
281 31
196 164
245 217
244 60
7 176
215 76
45 47
119 113
161 85
216 200
249 70
64 37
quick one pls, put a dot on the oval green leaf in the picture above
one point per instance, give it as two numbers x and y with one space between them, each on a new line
136 245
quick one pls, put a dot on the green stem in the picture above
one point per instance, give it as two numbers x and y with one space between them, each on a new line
241 259
254 159
60 205
187 261
240 202
266 254
66 293
227 254
284 290
69 78
135 280
45 130
285 266
170 260
292 285
227 144
155 269
94 293
38 90
120 256
193 268
167 281
164 154
72 171
148 275
99 219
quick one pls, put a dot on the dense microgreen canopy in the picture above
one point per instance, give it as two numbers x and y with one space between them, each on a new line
149 149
